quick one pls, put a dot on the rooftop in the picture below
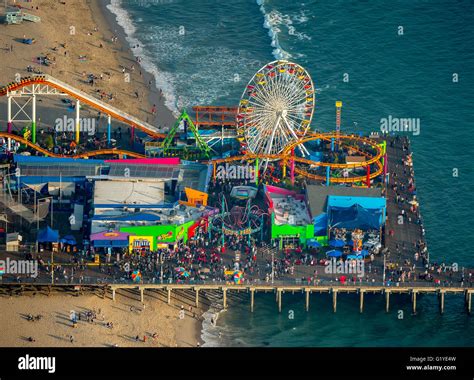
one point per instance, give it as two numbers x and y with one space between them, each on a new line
317 195
128 192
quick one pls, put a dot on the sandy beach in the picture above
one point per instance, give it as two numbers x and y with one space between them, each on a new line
80 38
130 318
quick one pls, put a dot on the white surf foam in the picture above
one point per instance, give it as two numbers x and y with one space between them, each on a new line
274 20
164 80
212 333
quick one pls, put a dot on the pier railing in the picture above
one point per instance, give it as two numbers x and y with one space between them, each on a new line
278 288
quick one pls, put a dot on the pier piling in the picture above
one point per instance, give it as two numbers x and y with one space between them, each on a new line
414 301
101 290
441 301
469 303
279 300
252 298
224 293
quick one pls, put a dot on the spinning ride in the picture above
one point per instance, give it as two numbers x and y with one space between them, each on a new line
239 220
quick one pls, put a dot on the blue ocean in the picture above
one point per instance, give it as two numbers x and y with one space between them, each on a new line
398 58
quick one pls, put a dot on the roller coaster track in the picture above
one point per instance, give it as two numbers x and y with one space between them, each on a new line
83 97
101 152
286 156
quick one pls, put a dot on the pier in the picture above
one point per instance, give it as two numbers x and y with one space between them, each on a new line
225 290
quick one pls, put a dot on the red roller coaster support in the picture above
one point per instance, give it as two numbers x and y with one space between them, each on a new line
368 176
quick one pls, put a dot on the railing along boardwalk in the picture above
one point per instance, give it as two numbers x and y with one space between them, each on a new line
224 289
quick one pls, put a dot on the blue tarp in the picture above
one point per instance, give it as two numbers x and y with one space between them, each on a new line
356 212
355 217
366 202
320 224
148 217
48 235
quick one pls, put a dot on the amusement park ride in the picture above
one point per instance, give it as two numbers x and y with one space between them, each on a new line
272 126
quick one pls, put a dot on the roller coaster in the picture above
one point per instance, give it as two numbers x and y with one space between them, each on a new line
46 84
287 157
300 165
101 152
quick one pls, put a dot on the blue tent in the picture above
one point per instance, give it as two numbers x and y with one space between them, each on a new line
337 243
48 235
355 216
364 253
313 243
334 253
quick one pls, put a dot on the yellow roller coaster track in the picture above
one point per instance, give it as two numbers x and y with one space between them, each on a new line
118 152
285 157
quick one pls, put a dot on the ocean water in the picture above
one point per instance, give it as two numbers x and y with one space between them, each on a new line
203 52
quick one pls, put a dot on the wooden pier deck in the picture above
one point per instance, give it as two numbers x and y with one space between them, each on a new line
402 244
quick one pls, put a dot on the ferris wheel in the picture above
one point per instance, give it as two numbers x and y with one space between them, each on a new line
276 108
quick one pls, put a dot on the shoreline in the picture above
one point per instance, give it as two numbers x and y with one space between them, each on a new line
164 115
76 40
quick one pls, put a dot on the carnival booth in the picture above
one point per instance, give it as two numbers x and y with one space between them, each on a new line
48 239
110 240
291 225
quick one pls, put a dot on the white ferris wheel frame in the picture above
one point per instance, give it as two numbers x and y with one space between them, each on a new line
280 112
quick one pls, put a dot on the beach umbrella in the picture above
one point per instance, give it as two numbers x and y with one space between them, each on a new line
238 277
313 243
334 253
69 239
185 274
136 276
353 257
364 253
336 243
